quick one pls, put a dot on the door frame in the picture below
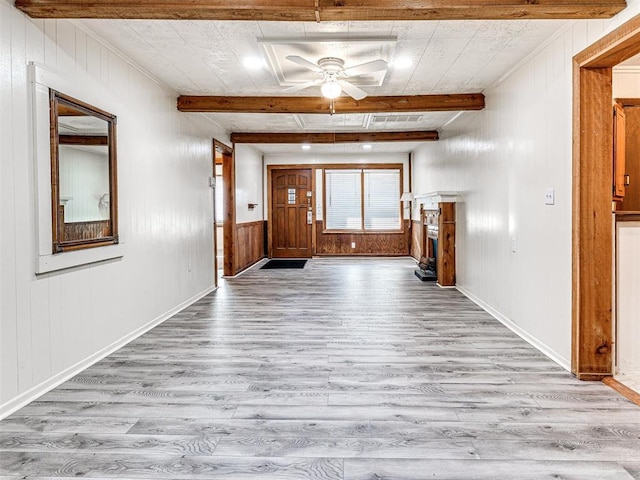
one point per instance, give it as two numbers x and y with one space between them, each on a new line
270 169
228 205
593 341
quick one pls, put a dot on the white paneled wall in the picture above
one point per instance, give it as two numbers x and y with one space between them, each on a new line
248 183
52 324
628 301
626 82
513 251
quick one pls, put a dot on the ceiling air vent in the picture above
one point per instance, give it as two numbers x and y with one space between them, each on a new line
381 120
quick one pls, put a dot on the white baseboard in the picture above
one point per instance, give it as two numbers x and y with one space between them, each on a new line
33 393
552 354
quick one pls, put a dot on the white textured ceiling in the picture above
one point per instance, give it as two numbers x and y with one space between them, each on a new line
206 58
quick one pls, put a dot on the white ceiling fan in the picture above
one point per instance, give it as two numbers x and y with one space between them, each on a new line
334 76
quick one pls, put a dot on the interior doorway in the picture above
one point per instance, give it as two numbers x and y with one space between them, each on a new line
218 213
596 283
224 209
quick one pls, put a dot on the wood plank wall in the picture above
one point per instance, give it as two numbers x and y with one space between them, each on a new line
87 230
249 244
374 244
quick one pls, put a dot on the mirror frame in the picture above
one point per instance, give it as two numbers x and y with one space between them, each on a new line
59 244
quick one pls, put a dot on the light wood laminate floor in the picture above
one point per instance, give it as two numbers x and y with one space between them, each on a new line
348 369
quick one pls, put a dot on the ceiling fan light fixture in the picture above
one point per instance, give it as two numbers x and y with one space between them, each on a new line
253 63
402 63
331 89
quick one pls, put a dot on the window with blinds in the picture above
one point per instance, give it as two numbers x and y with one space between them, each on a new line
381 199
363 199
343 193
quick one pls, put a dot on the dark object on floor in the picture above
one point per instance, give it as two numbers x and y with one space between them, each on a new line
427 269
426 275
283 264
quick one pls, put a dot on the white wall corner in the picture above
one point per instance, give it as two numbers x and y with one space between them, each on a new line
530 339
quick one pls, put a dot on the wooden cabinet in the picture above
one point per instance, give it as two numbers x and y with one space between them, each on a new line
619 153
439 235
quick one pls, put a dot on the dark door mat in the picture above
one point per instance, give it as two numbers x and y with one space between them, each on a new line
283 264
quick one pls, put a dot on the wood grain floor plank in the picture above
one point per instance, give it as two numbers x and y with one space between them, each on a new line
345 447
342 412
356 469
109 443
81 465
62 424
504 431
247 427
182 397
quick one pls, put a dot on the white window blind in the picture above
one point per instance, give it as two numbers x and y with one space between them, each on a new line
346 200
343 192
381 199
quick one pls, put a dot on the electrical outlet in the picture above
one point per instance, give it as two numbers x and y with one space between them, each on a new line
353 244
189 266
549 196
513 245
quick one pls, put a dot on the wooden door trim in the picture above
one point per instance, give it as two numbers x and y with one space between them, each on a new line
228 206
269 212
592 242
215 220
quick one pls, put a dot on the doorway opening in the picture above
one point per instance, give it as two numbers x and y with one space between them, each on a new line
218 214
595 281
224 209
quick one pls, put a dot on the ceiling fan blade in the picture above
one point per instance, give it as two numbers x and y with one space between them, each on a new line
304 63
369 67
302 86
351 90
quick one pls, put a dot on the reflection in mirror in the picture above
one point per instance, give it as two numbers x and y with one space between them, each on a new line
83 175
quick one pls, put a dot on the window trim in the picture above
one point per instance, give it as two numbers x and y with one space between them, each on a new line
362 168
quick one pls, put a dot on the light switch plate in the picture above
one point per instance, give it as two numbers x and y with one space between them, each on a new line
549 196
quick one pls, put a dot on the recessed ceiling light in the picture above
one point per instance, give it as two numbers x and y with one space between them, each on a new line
367 146
402 62
306 146
253 63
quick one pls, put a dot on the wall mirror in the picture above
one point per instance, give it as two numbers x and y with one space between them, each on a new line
83 175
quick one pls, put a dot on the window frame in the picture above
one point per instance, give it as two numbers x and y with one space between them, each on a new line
362 168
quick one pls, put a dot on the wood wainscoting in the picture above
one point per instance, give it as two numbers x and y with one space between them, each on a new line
86 230
249 245
371 244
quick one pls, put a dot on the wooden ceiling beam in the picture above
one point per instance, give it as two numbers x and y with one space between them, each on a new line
302 105
323 10
338 137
